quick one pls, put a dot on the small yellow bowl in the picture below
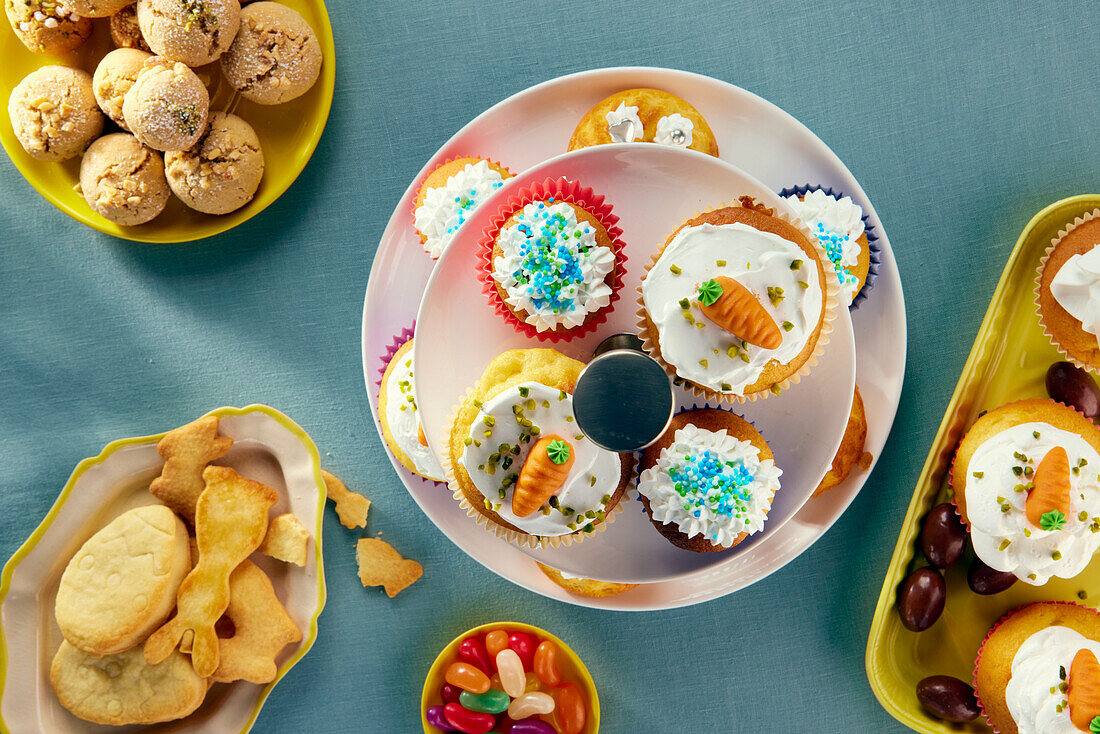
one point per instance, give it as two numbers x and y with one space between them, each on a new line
288 134
571 666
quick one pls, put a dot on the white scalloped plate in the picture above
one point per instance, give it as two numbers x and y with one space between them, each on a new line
268 447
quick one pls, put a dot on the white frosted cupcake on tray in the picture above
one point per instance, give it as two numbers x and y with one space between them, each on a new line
1026 481
397 411
517 462
1067 291
736 303
449 195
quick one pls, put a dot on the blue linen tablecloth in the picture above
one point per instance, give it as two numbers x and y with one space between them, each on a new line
960 123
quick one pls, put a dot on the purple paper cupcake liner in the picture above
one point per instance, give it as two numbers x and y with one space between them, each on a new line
872 241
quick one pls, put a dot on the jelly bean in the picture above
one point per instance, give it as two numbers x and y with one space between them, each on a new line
510 670
530 704
570 708
490 702
449 693
546 663
524 643
495 641
467 677
532 726
504 724
435 718
466 721
533 683
472 650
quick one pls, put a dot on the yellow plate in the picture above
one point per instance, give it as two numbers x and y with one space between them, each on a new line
1008 362
288 133
569 664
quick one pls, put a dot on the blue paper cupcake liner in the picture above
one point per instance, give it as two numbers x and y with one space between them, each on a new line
872 241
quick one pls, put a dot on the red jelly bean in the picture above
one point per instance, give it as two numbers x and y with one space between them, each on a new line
504 723
472 650
467 721
524 644
449 693
546 663
569 708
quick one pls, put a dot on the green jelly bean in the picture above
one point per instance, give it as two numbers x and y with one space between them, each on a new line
490 702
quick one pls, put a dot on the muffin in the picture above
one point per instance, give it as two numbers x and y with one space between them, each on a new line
123 180
100 8
400 422
449 195
735 303
167 106
1037 670
518 463
838 226
221 173
53 113
52 28
194 32
644 115
1026 483
851 450
582 586
275 56
125 31
1068 291
708 482
114 77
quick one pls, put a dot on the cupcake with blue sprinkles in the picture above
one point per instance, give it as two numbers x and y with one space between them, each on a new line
708 482
551 262
448 197
841 229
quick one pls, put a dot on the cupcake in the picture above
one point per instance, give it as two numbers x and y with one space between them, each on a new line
518 463
708 482
1026 483
840 229
1038 671
736 303
400 422
644 116
449 195
1068 291
851 450
582 586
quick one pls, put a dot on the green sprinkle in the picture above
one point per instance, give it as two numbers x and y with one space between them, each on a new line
1028 471
1056 555
675 269
562 394
568 419
721 263
732 352
1082 515
1027 533
1006 507
979 474
467 441
787 326
685 303
1035 434
592 481
524 392
796 264
477 403
803 284
1004 544
1018 470
775 294
775 389
606 499
1082 594
726 387
490 421
1031 577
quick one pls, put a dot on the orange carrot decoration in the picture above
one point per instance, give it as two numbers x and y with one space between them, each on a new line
1050 492
1083 692
420 435
543 473
733 307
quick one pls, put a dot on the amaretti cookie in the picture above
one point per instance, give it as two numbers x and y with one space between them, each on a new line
400 422
167 106
194 32
275 56
99 8
644 115
708 482
113 78
1026 480
54 114
837 223
123 180
517 460
47 27
221 173
449 195
125 31
1068 291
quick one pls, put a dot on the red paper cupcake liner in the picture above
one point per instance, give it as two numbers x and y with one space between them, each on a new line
436 167
561 189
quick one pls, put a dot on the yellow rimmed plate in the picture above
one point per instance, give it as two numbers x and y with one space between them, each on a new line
288 134
269 447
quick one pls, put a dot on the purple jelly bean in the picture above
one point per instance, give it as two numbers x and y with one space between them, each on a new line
436 719
532 726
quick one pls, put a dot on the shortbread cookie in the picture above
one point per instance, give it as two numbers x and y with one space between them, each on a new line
261 626
286 540
186 451
381 565
351 508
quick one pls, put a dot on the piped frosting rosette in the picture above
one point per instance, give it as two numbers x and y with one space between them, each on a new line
397 409
549 270
1075 288
438 211
781 284
844 221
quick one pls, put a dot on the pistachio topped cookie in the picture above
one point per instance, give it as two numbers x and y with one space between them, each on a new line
46 26
194 32
167 106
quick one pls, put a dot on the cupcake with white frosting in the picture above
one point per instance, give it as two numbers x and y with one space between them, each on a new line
1038 670
397 413
517 461
645 116
448 197
1026 481
708 482
737 303
1067 291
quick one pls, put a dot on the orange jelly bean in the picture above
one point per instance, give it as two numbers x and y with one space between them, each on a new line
496 641
546 663
467 677
569 708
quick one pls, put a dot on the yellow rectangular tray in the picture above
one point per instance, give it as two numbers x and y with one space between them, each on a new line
1008 362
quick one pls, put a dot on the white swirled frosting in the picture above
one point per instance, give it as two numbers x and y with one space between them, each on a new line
838 225
1004 538
667 128
401 417
711 484
1034 693
1076 287
446 207
697 348
551 267
494 461
623 124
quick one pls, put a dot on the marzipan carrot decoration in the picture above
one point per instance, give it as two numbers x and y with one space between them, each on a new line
733 307
1048 501
543 474
1083 693
420 435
